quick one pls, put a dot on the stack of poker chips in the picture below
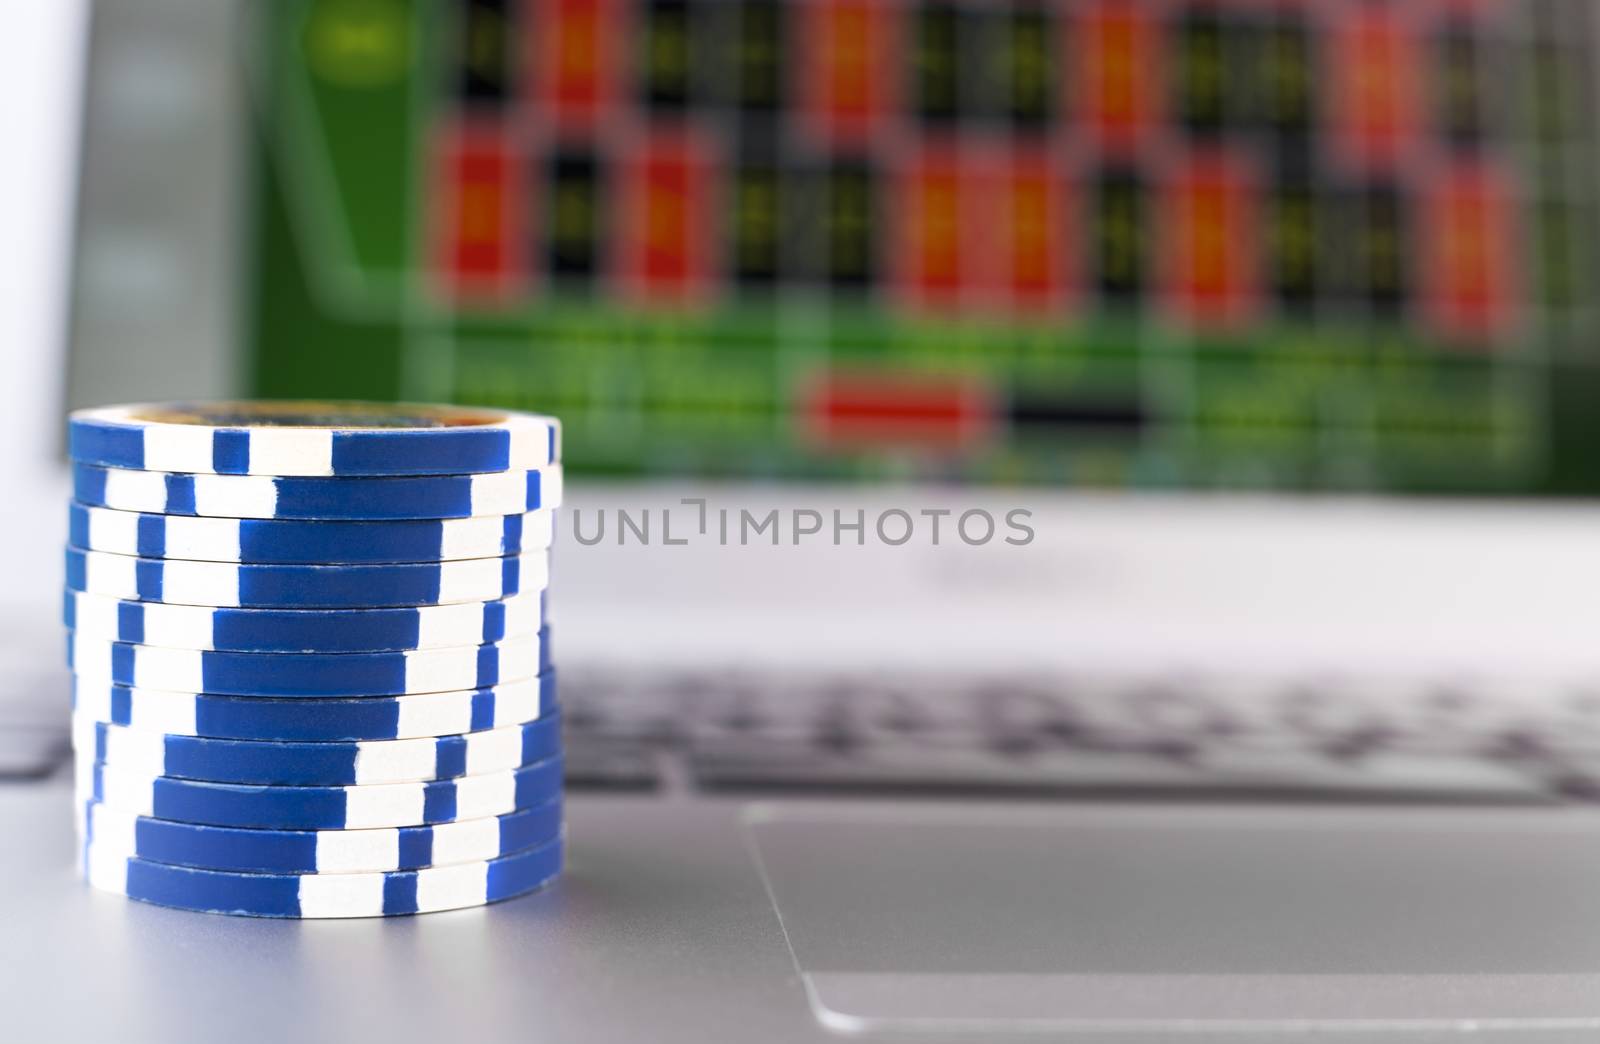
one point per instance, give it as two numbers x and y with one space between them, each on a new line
311 668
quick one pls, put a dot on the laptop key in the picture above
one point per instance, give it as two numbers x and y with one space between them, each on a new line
929 767
1381 774
611 764
30 751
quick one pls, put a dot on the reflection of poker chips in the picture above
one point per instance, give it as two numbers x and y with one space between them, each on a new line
312 669
324 895
352 719
263 496
278 763
226 584
303 630
318 851
289 541
312 438
319 808
304 675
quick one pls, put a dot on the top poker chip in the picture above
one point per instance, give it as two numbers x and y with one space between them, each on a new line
313 439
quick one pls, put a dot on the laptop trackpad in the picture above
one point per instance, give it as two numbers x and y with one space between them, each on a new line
988 918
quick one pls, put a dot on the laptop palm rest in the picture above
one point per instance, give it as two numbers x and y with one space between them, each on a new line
985 919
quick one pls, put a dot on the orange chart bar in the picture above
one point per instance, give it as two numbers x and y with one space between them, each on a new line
481 218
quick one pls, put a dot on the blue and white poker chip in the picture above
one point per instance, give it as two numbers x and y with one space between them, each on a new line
291 542
319 808
333 720
295 764
230 585
303 630
311 668
312 438
243 850
324 895
305 675
336 499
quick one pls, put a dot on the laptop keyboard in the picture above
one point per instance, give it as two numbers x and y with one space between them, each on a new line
1031 735
734 731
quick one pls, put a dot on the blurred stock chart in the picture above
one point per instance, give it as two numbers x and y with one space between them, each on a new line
1297 244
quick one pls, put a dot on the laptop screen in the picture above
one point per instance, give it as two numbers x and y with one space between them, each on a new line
1286 244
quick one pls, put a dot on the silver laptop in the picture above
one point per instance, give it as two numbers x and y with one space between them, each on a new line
1164 764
